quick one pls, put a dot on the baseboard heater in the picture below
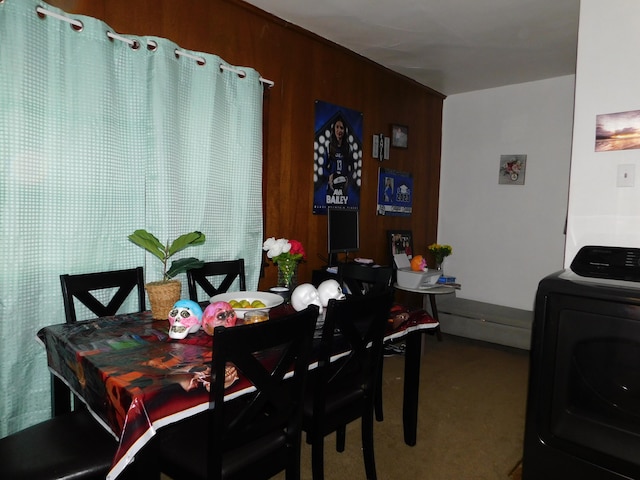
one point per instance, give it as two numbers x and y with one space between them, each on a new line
485 321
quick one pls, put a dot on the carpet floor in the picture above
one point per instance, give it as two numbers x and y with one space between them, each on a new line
470 419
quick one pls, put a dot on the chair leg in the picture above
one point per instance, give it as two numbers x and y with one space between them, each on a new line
378 397
341 436
317 457
367 445
293 468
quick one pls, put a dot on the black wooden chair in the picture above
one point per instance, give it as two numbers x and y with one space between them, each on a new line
81 287
256 435
84 288
362 279
229 270
72 444
69 446
343 391
359 280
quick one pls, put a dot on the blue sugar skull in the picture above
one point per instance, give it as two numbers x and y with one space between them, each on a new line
185 317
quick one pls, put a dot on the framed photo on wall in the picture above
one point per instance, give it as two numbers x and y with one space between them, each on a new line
395 193
512 169
400 241
399 136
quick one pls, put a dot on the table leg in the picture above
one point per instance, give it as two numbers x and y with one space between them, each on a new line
60 397
411 386
434 314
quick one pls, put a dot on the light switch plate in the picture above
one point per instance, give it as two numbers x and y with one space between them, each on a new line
626 175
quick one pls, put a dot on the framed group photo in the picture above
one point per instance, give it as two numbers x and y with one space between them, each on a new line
400 241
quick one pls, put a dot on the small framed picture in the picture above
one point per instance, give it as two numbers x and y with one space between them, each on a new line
400 241
399 136
512 169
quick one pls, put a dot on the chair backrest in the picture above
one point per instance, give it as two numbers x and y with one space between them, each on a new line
264 353
362 279
357 324
81 287
228 269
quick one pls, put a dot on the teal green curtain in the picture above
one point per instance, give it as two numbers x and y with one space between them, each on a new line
99 136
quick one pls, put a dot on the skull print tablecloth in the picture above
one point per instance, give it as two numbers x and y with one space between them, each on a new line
136 379
131 375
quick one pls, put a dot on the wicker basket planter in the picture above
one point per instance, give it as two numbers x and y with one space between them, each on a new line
162 296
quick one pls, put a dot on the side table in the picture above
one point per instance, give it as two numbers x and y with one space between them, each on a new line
430 294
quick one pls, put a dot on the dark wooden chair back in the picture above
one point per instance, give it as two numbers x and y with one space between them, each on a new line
362 279
81 287
255 435
343 391
229 270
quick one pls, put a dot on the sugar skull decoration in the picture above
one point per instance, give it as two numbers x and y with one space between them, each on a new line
330 289
305 295
218 314
185 317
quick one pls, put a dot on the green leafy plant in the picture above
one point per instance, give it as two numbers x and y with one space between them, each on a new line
152 245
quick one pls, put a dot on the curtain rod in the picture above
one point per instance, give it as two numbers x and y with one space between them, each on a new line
151 45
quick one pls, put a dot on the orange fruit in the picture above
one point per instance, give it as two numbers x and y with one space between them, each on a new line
418 263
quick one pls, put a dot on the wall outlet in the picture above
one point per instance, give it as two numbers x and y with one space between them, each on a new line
626 175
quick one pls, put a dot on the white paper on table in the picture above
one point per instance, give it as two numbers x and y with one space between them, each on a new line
401 259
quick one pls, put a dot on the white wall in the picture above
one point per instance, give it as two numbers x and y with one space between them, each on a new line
600 213
505 238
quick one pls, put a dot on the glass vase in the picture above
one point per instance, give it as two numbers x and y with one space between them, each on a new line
287 273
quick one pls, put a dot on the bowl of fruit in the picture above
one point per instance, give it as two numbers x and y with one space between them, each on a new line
243 302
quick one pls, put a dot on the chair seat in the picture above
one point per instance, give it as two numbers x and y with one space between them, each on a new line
69 446
341 407
263 455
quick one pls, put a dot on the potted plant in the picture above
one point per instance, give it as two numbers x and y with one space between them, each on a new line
163 294
440 252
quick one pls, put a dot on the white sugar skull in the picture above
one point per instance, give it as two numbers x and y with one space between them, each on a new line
330 289
216 314
305 295
185 317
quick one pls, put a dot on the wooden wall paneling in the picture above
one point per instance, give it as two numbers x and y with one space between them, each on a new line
304 68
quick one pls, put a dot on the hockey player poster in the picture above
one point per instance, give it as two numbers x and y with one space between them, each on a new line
337 157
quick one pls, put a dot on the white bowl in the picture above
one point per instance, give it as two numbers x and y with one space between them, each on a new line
269 299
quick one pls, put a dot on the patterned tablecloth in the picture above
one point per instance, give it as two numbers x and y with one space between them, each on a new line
135 379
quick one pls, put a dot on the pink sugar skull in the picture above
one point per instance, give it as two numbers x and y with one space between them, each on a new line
216 314
185 317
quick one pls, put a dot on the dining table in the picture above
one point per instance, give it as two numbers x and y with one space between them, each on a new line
135 379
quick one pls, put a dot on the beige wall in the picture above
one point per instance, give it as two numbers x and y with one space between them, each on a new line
506 238
600 212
